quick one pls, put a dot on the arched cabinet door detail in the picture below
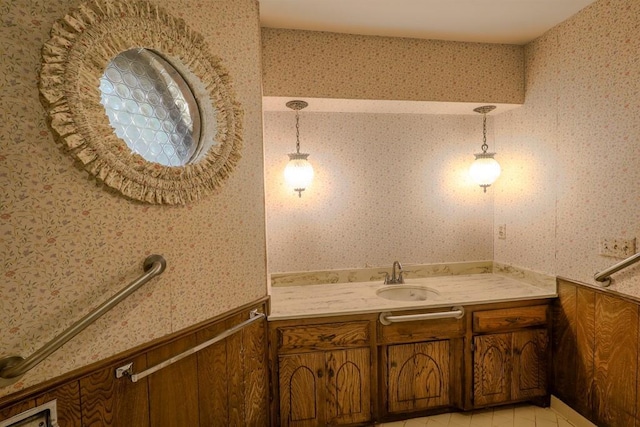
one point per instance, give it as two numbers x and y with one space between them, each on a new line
348 386
529 364
418 376
509 367
491 374
300 377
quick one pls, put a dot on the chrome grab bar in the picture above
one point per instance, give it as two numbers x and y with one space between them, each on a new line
455 312
603 276
127 370
13 367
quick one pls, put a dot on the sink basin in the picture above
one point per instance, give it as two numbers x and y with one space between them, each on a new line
407 293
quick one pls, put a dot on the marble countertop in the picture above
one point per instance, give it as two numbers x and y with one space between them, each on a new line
305 301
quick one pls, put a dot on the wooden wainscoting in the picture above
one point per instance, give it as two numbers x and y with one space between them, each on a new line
225 384
595 354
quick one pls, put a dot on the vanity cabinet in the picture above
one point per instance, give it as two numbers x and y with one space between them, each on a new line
355 370
510 355
323 374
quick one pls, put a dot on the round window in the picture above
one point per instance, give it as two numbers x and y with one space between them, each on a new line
151 107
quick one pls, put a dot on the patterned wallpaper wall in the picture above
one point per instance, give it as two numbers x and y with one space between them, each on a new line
67 244
331 65
572 153
387 187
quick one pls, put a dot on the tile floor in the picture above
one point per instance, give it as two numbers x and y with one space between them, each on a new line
510 416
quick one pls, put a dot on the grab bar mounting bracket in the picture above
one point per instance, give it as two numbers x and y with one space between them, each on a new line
124 370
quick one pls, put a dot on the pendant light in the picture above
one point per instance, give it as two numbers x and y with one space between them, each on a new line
485 169
299 173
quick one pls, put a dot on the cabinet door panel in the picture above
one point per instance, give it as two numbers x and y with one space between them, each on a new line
300 389
529 364
491 373
418 376
348 386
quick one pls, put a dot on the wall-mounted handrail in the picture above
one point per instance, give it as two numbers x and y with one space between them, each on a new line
127 370
603 276
13 367
455 312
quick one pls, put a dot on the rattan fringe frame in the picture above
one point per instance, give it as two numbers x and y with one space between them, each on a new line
74 59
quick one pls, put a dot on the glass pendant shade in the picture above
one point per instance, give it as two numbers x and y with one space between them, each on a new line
298 173
485 170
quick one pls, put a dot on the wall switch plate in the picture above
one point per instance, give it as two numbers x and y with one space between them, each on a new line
617 247
502 231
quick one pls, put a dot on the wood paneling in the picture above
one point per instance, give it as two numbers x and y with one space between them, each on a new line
213 397
509 318
222 385
582 362
615 361
601 359
109 401
256 375
564 344
235 374
13 410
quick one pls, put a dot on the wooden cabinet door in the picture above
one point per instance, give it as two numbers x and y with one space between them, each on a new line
418 376
348 386
491 369
301 379
529 377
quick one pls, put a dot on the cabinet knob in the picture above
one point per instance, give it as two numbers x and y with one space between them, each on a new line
331 373
320 373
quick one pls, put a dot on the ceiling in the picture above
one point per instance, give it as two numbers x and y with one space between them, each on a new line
482 21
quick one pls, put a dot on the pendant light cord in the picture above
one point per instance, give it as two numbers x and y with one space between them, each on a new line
297 132
484 133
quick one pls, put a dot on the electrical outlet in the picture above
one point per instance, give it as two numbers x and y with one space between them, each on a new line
502 231
617 247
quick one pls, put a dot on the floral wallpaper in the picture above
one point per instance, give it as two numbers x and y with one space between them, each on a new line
67 244
386 187
331 65
572 159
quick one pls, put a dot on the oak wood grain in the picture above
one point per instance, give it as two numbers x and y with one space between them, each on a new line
429 330
13 410
615 361
213 397
582 362
348 387
491 369
256 375
301 378
173 392
564 343
111 401
323 336
509 318
418 376
235 377
529 377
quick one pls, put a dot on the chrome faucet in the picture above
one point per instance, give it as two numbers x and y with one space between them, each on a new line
395 279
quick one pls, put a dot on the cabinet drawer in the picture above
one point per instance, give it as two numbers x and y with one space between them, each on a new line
509 318
423 330
323 336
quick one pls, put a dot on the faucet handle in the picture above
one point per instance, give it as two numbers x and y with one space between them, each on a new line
386 277
400 277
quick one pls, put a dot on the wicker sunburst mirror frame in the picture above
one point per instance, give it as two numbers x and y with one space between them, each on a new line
74 60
